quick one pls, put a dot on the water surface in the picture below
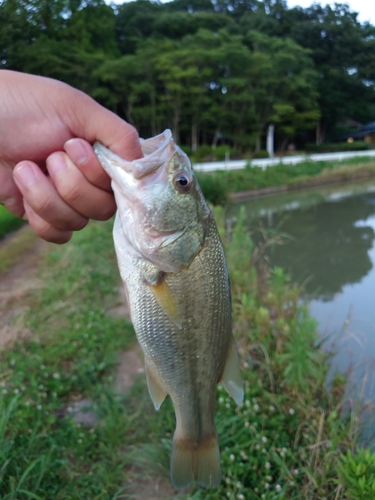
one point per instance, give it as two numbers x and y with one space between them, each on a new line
331 250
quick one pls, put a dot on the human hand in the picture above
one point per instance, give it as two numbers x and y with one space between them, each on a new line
49 173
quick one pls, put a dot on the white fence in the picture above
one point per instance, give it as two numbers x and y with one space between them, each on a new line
286 160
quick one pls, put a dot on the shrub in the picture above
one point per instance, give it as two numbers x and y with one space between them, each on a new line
214 187
261 154
337 146
187 150
203 152
220 152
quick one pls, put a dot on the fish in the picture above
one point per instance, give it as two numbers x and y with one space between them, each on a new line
172 263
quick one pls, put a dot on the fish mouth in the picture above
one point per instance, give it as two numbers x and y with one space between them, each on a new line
157 151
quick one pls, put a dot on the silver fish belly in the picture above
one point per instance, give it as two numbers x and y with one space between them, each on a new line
182 317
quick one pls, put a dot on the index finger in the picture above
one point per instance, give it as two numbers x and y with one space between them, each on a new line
83 156
91 121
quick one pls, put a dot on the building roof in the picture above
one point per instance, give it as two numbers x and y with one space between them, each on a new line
367 129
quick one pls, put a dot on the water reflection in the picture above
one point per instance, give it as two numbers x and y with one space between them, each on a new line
328 246
331 236
331 250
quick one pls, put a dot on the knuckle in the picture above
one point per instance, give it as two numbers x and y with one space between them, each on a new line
70 193
42 204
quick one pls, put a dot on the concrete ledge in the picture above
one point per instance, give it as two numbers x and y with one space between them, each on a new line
285 160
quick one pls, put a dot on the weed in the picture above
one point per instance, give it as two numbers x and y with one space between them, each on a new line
253 178
71 356
357 474
214 188
285 441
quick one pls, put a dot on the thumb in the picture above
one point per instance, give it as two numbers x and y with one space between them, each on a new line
91 121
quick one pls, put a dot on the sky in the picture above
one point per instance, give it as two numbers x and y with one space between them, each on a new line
365 8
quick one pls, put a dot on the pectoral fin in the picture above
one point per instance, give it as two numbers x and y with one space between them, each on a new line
167 301
155 389
231 377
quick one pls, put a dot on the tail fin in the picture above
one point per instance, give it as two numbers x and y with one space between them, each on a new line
199 461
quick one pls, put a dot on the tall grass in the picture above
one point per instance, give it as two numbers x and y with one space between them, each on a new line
44 452
218 185
287 438
285 442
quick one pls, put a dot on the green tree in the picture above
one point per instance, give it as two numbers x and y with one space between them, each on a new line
343 52
135 23
282 82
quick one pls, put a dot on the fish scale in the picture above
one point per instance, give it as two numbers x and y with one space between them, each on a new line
172 263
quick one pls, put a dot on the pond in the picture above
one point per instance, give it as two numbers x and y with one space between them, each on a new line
329 247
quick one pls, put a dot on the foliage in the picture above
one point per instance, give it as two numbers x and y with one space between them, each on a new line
285 441
357 474
224 152
213 71
252 178
215 189
343 146
8 222
261 154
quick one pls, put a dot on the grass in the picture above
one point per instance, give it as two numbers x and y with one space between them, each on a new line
8 222
72 354
285 442
217 186
15 246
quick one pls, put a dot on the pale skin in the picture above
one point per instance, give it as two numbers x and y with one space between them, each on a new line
49 173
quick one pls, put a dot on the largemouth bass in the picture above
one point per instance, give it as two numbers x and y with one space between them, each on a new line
172 263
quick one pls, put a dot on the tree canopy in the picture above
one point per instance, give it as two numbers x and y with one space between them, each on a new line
211 70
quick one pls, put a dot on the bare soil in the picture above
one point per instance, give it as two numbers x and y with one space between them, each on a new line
16 286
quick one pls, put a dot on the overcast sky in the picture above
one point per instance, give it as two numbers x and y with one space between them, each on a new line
365 8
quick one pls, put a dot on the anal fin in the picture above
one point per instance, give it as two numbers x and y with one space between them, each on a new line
155 389
231 377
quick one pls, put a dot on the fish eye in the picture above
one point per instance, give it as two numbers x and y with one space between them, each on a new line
183 182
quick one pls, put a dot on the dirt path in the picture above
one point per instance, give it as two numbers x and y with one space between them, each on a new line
23 251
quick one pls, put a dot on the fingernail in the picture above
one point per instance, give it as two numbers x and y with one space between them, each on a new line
76 150
24 175
56 163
